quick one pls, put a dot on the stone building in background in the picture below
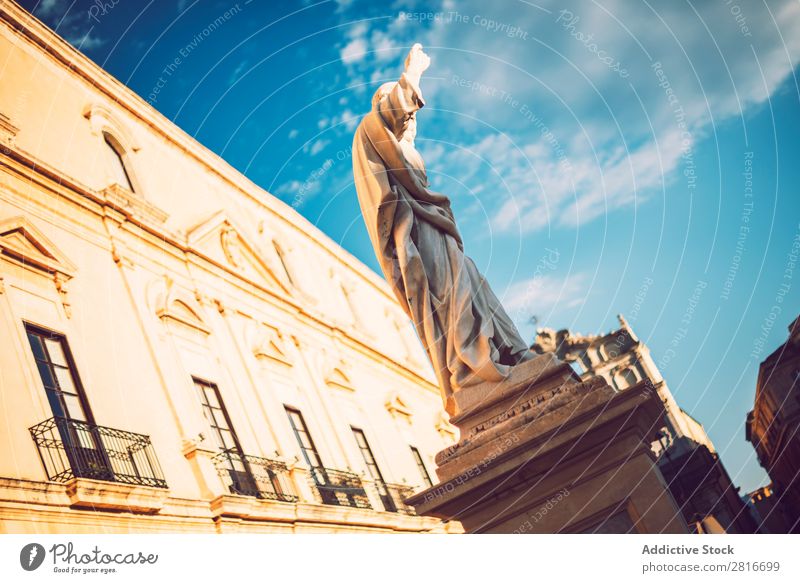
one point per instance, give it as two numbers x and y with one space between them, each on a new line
773 427
686 457
182 352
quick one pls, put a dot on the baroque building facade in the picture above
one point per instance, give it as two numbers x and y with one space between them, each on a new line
685 455
773 428
181 351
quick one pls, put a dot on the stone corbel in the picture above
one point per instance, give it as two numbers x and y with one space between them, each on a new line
220 306
8 131
201 298
61 286
119 253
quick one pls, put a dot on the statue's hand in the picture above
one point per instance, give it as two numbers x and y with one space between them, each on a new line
417 61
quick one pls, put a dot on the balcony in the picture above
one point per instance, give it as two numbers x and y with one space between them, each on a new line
394 500
339 488
76 449
249 475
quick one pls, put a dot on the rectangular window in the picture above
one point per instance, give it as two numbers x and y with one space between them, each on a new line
426 478
242 481
217 416
373 470
366 453
307 447
58 374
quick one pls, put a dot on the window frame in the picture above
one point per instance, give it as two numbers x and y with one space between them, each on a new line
423 469
376 475
112 142
206 384
303 450
367 455
284 262
71 368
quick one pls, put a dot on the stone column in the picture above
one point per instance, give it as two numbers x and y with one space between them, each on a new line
543 452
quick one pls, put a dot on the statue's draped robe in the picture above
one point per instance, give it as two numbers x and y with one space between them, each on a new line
467 334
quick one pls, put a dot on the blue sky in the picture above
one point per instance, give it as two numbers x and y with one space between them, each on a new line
602 158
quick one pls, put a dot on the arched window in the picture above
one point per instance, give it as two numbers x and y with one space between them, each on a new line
118 162
282 257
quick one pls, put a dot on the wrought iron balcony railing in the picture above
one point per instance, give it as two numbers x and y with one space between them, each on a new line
249 475
339 488
76 449
398 493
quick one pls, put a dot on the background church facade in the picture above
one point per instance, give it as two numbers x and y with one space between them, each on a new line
181 351
773 429
687 459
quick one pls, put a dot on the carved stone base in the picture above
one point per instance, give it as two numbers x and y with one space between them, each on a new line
545 453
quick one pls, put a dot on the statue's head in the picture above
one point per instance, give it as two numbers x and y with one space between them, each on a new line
382 92
409 130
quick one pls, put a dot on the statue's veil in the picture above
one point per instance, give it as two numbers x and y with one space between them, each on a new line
382 92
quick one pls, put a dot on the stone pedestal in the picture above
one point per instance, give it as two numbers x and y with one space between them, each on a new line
544 452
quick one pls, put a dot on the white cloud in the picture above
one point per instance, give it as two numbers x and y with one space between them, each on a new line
382 45
48 7
556 138
545 294
582 140
347 118
318 146
70 22
354 51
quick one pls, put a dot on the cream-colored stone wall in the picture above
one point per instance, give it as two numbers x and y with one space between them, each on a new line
182 279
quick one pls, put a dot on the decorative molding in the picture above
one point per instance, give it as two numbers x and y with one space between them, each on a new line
444 427
397 407
337 378
270 347
175 305
102 120
231 245
221 239
22 243
131 204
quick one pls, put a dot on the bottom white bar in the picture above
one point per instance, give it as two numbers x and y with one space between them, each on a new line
351 558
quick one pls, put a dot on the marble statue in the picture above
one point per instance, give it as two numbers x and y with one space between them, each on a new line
466 332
